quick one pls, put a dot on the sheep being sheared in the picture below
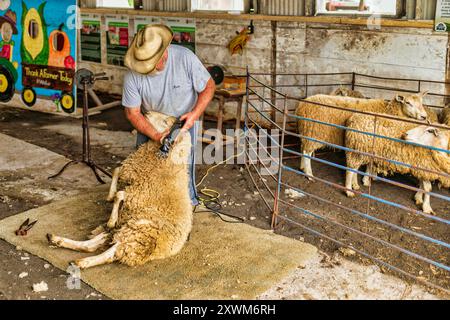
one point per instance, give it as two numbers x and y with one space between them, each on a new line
155 218
419 157
402 106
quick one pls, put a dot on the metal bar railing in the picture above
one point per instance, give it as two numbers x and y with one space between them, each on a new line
357 151
279 164
364 254
370 217
351 74
387 244
365 195
365 174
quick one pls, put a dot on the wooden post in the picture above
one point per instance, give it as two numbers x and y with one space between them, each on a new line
420 9
239 114
410 9
273 69
276 202
220 112
309 7
447 73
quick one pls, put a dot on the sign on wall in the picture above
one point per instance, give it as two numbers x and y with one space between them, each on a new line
381 7
141 21
442 21
37 50
90 38
116 39
183 32
183 29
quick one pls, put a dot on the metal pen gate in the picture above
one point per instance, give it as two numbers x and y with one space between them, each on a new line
389 231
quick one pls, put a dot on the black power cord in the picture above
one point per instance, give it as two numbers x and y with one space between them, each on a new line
215 207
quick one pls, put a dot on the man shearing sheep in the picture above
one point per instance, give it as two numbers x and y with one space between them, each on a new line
165 78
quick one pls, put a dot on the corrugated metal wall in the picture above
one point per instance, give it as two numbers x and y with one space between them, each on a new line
150 5
283 7
88 3
176 5
420 9
414 9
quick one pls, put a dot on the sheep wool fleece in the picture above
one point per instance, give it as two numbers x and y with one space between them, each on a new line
141 139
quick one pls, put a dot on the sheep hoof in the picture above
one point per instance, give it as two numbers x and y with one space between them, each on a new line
429 211
310 179
419 202
350 194
78 263
367 182
110 225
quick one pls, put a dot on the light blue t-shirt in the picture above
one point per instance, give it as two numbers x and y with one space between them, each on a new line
173 91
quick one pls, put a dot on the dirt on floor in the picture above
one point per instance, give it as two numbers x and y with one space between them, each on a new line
239 197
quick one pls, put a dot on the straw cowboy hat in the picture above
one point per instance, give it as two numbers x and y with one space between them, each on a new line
148 47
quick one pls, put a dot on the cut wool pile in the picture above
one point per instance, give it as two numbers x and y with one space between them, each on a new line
220 261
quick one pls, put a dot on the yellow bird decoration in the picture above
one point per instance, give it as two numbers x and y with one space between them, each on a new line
238 43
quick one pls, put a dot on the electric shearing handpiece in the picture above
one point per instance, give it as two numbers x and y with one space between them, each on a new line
170 138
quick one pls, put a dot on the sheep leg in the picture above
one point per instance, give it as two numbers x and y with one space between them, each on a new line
302 162
103 258
113 188
120 196
349 177
83 246
426 207
305 165
419 194
355 184
367 181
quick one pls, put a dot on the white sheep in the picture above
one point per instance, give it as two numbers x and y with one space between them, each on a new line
445 116
402 105
346 92
419 157
156 215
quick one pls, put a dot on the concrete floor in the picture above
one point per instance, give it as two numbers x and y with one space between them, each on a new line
24 168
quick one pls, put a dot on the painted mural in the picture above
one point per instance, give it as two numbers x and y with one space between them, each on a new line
37 52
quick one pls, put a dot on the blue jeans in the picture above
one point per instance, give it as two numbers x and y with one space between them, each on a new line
192 189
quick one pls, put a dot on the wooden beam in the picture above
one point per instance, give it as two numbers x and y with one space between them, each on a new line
447 72
273 69
410 9
420 9
362 21
309 7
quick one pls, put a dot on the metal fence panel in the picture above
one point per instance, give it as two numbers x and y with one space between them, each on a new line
385 227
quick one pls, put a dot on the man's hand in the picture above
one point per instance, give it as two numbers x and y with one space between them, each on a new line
141 124
160 136
204 98
190 119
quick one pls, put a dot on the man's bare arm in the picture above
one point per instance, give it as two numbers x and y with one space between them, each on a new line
141 124
204 98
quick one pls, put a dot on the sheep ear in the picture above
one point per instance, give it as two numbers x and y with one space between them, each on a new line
434 131
424 93
400 98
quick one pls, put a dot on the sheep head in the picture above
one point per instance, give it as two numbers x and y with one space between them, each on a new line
428 136
161 122
412 105
181 148
346 92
